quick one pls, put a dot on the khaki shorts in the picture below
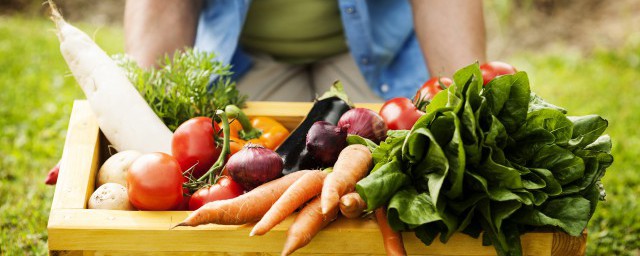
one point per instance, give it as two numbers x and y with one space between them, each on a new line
269 80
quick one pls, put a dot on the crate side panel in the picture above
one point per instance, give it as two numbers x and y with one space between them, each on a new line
79 159
150 231
100 230
178 253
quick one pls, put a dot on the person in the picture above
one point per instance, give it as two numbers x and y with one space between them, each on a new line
293 50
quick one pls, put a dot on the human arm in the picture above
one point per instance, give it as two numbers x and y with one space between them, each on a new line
451 33
154 28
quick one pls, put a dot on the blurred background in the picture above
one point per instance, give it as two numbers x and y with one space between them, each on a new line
582 55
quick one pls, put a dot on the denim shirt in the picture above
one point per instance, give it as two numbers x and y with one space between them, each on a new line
379 34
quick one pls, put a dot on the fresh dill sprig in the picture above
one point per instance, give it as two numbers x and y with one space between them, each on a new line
179 88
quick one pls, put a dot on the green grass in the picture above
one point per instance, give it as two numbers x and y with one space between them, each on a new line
37 93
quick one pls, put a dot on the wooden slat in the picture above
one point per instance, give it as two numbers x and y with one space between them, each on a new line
565 244
177 253
67 253
100 230
290 114
79 159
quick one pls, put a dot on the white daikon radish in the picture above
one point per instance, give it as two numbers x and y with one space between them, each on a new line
123 115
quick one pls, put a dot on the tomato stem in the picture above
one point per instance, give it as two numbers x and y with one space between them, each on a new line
224 120
248 131
420 102
442 86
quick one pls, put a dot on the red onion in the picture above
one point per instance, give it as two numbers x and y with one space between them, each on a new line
254 165
324 143
52 176
364 122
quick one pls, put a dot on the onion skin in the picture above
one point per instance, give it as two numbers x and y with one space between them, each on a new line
324 143
254 165
365 123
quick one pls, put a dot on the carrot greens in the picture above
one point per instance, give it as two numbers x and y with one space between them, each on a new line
181 88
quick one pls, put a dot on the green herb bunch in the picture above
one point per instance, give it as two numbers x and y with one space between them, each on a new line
180 88
496 160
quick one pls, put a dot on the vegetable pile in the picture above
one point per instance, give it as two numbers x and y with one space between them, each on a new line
316 192
479 154
294 151
497 159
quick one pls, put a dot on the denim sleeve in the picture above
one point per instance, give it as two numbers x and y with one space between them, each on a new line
382 41
219 27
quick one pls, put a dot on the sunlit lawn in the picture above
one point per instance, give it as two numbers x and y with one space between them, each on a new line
606 83
36 94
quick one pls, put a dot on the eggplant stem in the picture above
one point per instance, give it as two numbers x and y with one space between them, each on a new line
336 90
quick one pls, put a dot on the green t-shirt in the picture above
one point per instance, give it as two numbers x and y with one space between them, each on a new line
294 31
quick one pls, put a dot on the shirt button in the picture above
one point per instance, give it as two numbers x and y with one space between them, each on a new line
350 10
364 61
384 87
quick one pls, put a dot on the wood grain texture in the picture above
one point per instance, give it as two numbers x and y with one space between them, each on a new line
565 244
79 160
74 230
106 230
67 253
177 253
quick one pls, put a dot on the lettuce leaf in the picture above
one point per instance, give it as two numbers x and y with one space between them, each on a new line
497 159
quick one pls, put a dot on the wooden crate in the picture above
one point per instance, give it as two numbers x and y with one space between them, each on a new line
75 230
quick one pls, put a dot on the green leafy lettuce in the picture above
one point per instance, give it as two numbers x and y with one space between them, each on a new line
495 159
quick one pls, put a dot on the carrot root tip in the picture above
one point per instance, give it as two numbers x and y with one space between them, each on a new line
287 252
181 224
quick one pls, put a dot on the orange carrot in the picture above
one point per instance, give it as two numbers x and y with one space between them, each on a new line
352 205
301 191
353 164
307 224
248 207
392 239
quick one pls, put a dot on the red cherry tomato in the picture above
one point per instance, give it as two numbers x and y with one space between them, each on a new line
431 88
400 114
154 182
194 144
225 188
491 70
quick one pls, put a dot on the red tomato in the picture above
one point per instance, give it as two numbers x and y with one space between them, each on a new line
194 144
432 87
225 188
184 204
155 182
495 68
400 113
